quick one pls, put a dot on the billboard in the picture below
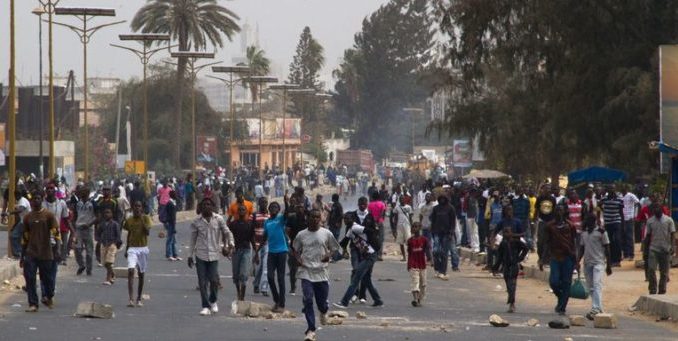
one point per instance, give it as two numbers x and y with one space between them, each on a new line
668 95
206 150
462 154
273 128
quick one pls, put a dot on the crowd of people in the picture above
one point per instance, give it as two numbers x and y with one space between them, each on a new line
303 237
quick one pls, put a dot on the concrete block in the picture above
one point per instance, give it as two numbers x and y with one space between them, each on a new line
93 309
606 321
663 306
334 321
577 320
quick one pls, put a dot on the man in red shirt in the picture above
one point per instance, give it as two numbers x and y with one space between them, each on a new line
418 253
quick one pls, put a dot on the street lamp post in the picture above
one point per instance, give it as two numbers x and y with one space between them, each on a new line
412 112
285 88
323 97
11 121
85 14
260 82
144 56
304 93
230 83
194 69
39 11
48 6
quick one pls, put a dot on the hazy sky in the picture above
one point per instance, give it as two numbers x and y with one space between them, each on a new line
332 22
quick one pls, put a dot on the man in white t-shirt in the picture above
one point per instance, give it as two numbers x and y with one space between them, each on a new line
631 205
403 225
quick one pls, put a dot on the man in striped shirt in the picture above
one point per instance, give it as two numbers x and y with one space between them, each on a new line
613 208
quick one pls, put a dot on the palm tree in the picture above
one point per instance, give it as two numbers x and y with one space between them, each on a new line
191 23
259 66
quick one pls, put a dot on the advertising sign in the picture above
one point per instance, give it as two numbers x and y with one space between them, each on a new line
206 150
462 154
668 95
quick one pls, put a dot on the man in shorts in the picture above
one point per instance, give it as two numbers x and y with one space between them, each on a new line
138 227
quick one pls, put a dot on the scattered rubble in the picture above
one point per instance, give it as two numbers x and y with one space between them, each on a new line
93 309
498 321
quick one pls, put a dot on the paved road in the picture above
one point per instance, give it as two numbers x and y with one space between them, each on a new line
461 305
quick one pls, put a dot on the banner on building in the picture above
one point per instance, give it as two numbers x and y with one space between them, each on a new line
462 154
668 95
206 150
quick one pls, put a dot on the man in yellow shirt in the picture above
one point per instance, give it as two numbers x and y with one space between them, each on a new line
138 227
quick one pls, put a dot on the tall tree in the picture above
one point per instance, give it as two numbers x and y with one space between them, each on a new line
307 62
380 75
194 24
555 85
259 65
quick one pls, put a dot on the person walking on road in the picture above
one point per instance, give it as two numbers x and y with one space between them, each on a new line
59 208
443 226
170 224
559 238
261 256
418 254
40 247
296 222
365 240
510 253
335 217
377 209
243 235
208 233
84 232
108 234
138 227
613 213
595 250
660 236
313 248
277 242
403 213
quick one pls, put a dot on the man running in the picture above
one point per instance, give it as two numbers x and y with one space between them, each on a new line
138 227
312 248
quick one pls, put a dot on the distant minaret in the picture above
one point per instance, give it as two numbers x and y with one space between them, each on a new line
256 36
245 32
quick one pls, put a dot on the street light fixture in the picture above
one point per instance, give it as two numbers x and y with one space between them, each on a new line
48 7
144 56
39 11
84 14
285 88
260 81
194 69
230 83
412 112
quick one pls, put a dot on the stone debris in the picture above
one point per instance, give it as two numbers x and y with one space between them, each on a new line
568 339
334 321
577 321
360 315
16 305
288 315
5 282
498 321
384 324
145 297
250 309
32 328
386 280
93 309
640 264
338 313
560 323
533 322
605 321
498 288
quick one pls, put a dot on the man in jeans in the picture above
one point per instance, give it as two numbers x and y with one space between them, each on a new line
613 208
595 249
631 205
84 232
40 247
365 239
312 249
443 225
208 232
243 234
558 238
660 234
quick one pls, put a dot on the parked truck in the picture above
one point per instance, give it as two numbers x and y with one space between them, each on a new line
356 160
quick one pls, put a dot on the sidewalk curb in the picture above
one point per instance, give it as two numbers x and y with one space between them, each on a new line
663 306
